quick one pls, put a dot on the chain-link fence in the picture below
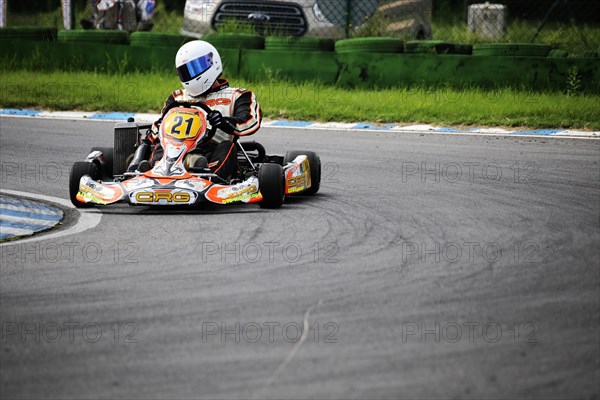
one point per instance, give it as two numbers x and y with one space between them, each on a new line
572 25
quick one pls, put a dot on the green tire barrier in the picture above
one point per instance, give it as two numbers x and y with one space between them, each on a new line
511 49
558 53
152 39
436 47
350 69
85 36
235 41
585 54
299 66
464 49
370 45
395 70
28 33
299 44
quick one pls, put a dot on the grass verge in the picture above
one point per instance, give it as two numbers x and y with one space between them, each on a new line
145 92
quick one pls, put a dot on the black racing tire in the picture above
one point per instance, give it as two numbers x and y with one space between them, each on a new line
272 185
154 39
106 170
370 45
235 41
429 47
511 49
81 168
315 169
90 36
299 44
26 33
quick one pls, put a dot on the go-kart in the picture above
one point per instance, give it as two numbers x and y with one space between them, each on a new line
105 178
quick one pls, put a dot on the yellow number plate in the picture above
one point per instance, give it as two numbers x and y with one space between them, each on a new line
182 125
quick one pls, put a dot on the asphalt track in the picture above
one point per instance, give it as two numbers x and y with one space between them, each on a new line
447 267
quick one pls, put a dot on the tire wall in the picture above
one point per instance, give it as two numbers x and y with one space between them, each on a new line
348 69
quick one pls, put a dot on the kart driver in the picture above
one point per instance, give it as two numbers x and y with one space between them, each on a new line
236 112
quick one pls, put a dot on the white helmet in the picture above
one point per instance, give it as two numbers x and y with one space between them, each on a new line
199 65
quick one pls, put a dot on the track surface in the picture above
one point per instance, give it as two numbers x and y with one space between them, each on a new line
400 272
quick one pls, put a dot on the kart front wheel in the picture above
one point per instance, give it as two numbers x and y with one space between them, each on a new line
315 169
272 188
80 169
107 168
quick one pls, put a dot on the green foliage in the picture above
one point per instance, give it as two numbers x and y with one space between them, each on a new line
234 26
375 25
574 86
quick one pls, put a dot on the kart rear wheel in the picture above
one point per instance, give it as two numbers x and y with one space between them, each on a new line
80 169
272 188
315 169
107 168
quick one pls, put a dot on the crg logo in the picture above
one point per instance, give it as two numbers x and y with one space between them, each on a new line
156 197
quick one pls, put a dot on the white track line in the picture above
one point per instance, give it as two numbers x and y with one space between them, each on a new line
88 219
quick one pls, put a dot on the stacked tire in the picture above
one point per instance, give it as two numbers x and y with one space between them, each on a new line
152 39
437 47
511 49
370 45
89 36
557 53
235 41
276 43
39 34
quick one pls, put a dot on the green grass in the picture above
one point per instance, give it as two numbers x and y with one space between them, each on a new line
145 92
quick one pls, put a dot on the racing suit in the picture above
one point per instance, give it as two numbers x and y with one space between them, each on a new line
242 117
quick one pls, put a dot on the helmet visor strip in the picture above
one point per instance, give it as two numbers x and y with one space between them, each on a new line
194 68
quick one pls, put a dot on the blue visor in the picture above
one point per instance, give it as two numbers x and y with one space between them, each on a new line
194 68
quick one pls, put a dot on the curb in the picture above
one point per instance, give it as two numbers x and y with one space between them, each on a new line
118 116
20 217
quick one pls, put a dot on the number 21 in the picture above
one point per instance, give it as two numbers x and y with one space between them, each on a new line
178 122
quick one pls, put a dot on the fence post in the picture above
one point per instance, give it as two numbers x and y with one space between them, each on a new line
68 10
2 13
348 17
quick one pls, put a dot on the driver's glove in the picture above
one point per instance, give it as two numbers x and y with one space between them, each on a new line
216 119
152 135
